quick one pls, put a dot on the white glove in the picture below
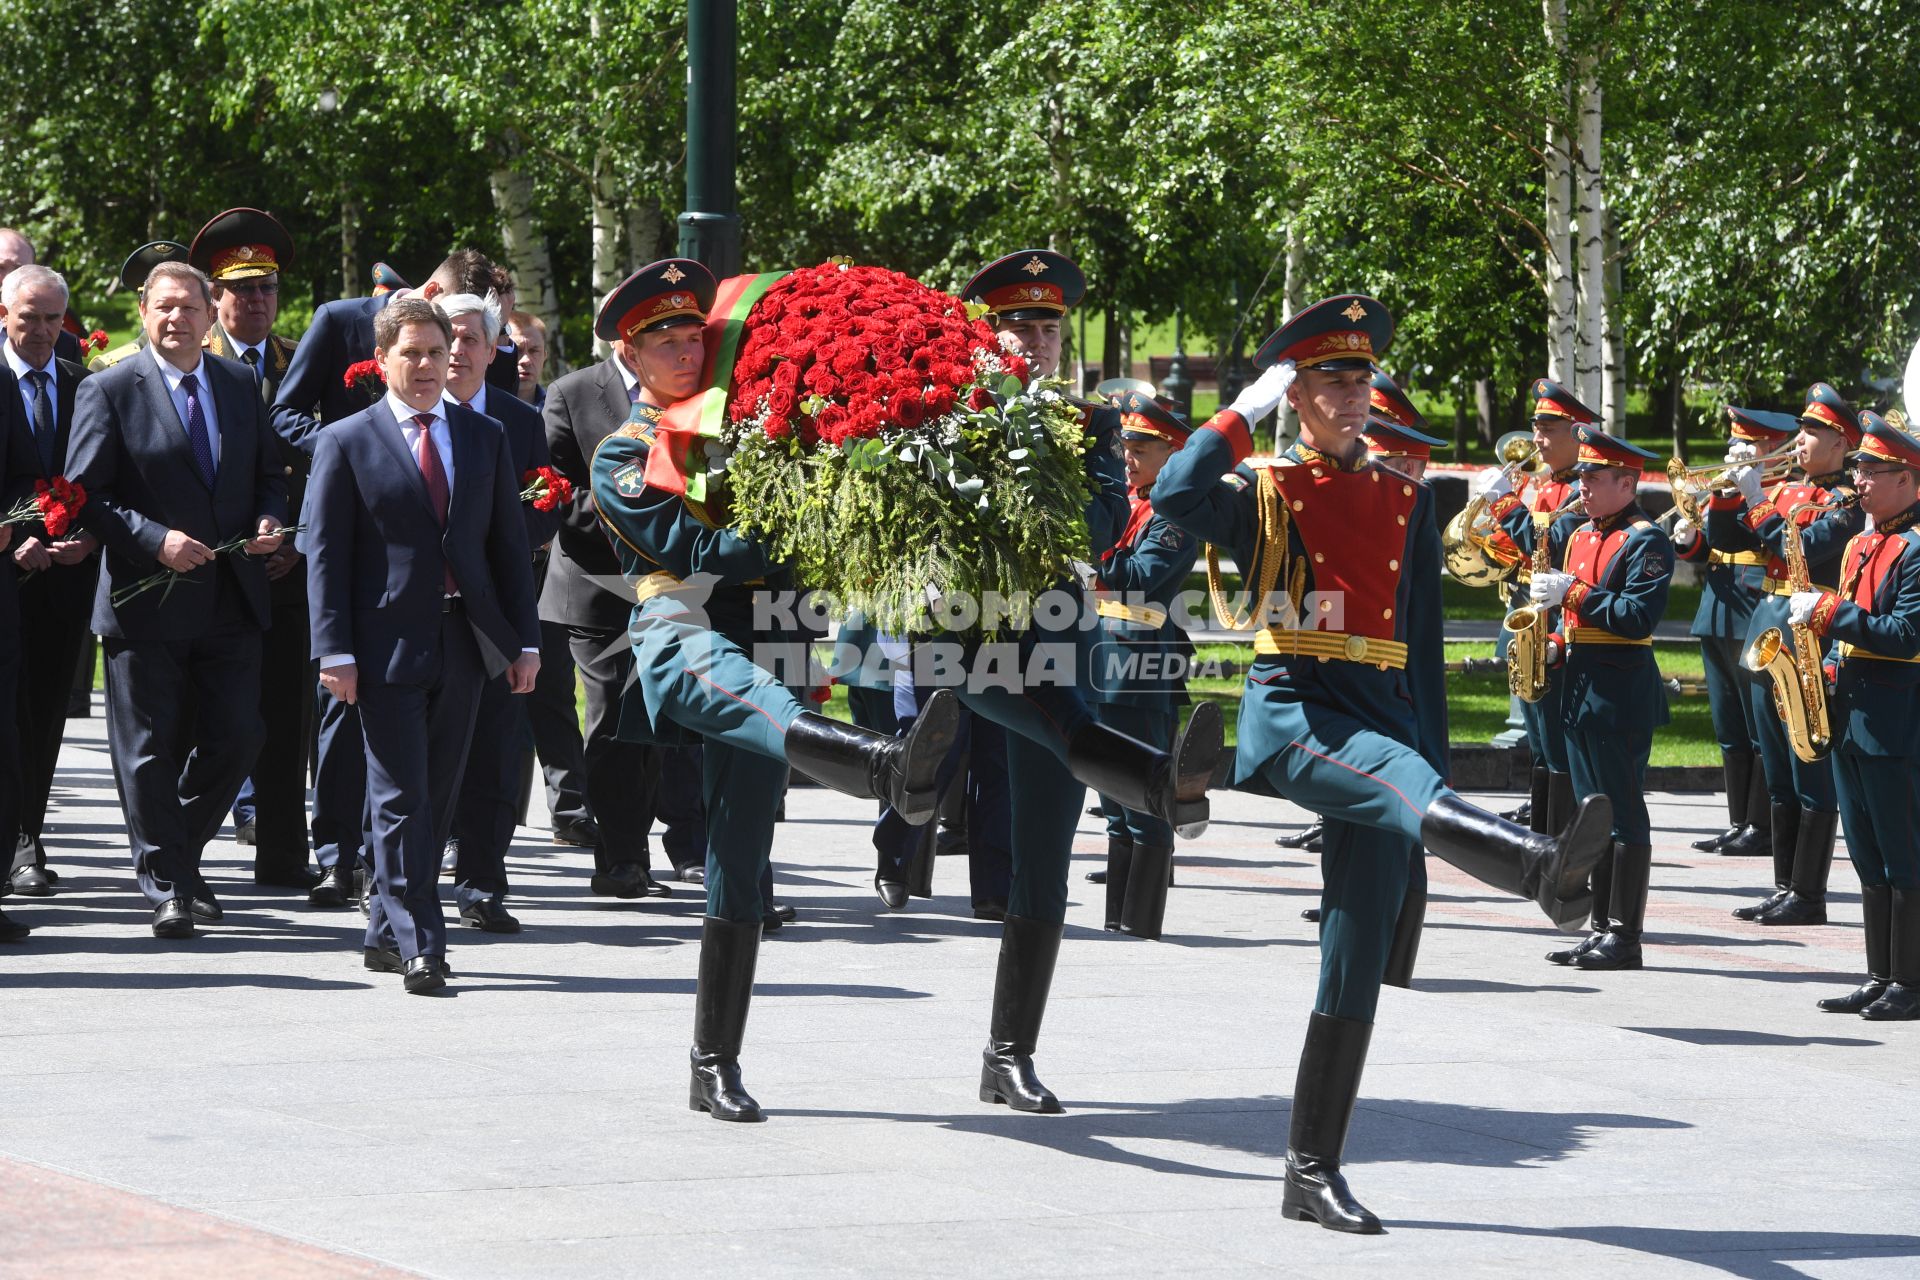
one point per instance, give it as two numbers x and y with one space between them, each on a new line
1550 588
1494 483
1266 393
1684 532
1741 451
1800 607
1747 481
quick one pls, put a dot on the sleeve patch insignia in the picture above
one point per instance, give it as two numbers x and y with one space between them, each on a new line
630 479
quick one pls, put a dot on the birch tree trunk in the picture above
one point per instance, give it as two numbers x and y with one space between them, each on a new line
609 231
1293 298
1614 398
1591 213
1561 317
644 225
526 247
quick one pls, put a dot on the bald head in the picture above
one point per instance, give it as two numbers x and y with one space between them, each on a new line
15 251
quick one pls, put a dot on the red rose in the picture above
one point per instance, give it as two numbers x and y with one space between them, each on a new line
831 423
786 376
979 399
940 402
1018 367
907 408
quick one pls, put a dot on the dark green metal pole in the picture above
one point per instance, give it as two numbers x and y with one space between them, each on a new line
710 227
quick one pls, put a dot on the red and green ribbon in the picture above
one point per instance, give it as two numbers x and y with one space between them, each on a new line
677 462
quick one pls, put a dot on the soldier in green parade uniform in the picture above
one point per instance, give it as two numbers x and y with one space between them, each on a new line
695 642
1557 417
133 275
1803 809
1612 594
1138 680
1732 583
1874 620
1344 710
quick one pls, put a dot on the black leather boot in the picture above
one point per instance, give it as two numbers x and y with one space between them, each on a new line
1119 860
1620 948
1561 802
1406 933
1540 800
728 950
1805 901
1170 785
1324 1092
860 762
1900 1002
1306 837
1552 871
1756 841
1783 834
1876 911
920 864
1028 949
1144 909
1736 768
1598 922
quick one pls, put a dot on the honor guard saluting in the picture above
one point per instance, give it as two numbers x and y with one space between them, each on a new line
693 632
1344 710
1612 595
1824 512
243 251
1138 679
1874 620
133 276
1557 417
1733 582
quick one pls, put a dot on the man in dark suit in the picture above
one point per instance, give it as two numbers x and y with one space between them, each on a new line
313 394
420 587
487 809
243 252
58 595
15 481
173 448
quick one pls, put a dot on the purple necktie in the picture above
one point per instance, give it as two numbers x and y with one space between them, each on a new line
197 429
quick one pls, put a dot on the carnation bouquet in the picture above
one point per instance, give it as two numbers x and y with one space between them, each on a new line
873 431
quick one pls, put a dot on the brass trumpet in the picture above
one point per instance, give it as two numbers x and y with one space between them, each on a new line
1693 485
1464 542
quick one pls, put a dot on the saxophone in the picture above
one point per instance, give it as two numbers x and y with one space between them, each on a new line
1527 651
1799 684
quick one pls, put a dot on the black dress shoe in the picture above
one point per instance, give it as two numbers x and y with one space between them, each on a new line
1714 841
1760 908
784 912
1900 1002
11 930
892 893
1857 999
334 892
581 832
424 975
488 916
53 877
1571 954
381 960
172 919
31 882
1097 876
1311 915
628 880
691 873
205 906
243 833
1794 909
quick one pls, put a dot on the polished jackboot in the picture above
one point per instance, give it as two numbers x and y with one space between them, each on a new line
860 762
1561 802
1736 768
1551 871
728 951
1598 922
1307 837
1540 801
1620 948
1900 1002
1406 935
1783 834
1144 908
1805 901
1028 949
1755 840
1324 1091
1170 785
1876 911
1119 861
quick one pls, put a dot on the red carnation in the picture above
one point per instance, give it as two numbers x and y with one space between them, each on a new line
364 375
545 488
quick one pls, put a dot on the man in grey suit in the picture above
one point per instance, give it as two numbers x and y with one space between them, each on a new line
420 588
174 450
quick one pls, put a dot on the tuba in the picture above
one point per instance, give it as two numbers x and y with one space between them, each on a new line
1799 684
1464 542
1527 651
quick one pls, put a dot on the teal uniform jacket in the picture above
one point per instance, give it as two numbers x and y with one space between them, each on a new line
1520 525
1728 591
1613 686
1139 660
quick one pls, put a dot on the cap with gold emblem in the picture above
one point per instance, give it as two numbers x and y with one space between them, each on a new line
1033 284
1386 400
1551 400
659 295
1389 439
1349 331
1881 441
1761 427
1827 408
133 272
1144 418
241 244
1599 451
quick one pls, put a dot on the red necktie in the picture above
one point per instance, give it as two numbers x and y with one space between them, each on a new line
435 478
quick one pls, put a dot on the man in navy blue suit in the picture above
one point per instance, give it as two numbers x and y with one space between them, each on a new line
420 587
15 480
485 815
314 393
173 449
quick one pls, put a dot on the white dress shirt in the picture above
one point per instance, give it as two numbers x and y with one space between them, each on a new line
174 377
21 369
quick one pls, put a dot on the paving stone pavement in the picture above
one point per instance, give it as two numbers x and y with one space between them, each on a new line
254 1101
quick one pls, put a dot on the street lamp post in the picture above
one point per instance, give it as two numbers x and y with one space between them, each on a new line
710 226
